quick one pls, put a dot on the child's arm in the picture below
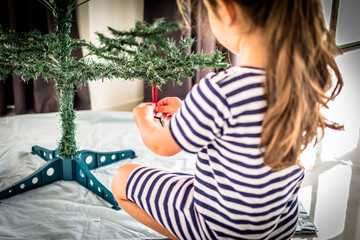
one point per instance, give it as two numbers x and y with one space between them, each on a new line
157 139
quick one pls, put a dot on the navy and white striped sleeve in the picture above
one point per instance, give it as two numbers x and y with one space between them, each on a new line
201 117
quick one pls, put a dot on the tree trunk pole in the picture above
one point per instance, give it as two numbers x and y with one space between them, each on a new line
67 146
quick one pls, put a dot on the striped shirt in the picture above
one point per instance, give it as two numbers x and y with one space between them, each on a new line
232 194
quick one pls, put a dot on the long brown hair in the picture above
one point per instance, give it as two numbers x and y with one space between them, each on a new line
299 73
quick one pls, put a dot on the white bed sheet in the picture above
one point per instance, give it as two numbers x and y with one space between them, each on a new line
66 210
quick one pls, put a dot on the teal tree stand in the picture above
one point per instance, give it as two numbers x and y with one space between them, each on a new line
69 169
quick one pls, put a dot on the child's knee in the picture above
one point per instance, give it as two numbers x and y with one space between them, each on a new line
120 179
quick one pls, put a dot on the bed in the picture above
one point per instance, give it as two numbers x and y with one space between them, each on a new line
65 209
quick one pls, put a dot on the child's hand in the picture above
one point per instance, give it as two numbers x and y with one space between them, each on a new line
168 106
143 111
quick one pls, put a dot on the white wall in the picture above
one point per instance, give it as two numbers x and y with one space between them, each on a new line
96 16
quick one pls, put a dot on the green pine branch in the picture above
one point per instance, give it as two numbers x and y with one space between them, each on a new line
144 53
140 53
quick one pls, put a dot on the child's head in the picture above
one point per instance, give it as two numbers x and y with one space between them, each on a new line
278 20
299 64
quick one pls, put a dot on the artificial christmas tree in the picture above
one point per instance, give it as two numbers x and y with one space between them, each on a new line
141 53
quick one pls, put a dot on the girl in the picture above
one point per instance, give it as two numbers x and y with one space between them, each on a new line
247 125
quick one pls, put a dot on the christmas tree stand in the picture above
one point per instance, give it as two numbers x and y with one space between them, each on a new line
69 169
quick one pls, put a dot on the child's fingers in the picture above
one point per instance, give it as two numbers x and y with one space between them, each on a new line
144 109
144 104
163 109
166 116
165 101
